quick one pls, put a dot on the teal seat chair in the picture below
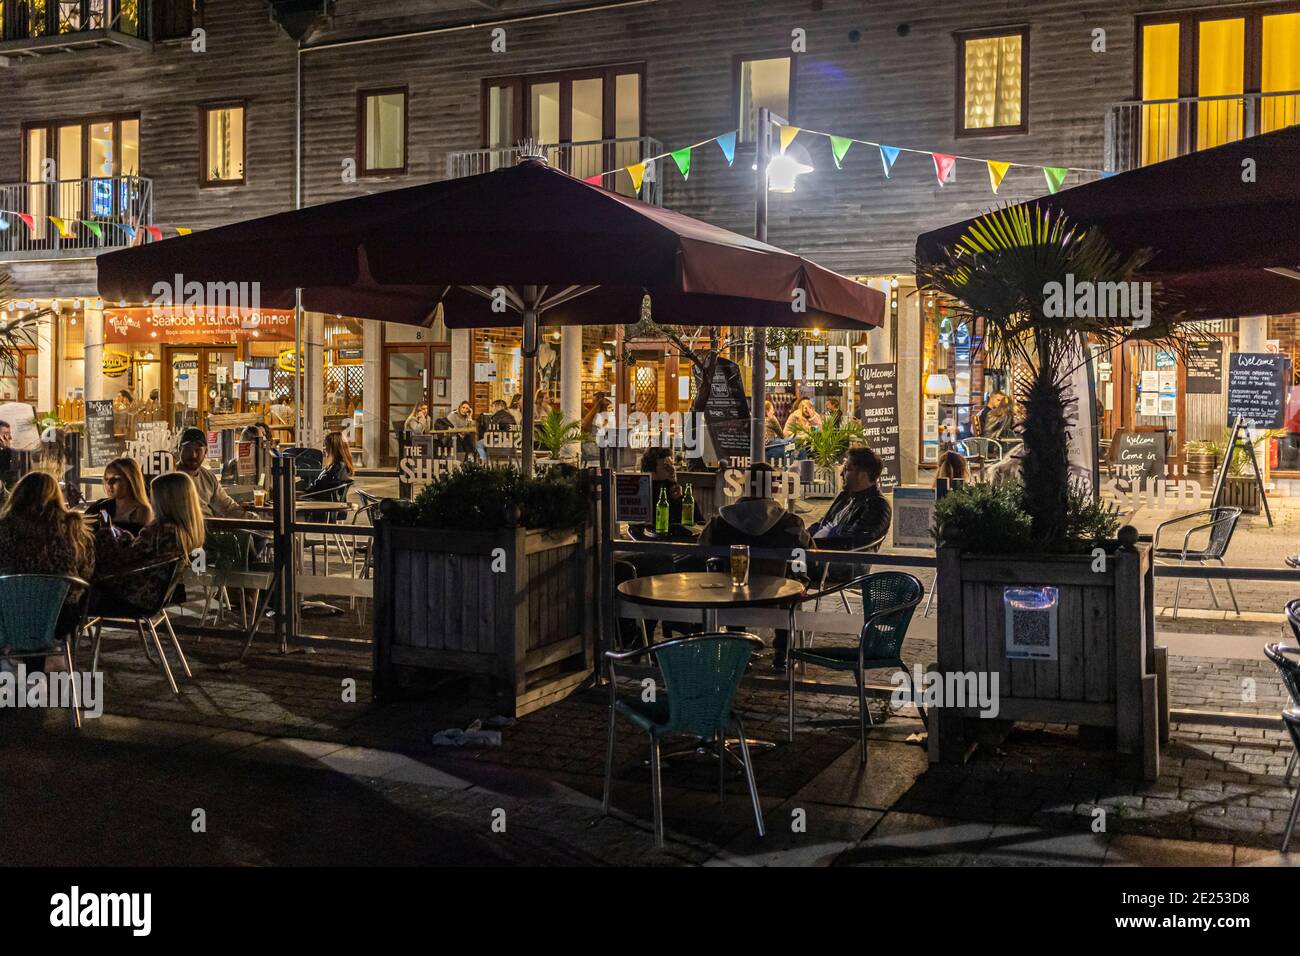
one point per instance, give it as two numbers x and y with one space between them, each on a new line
889 599
30 607
701 674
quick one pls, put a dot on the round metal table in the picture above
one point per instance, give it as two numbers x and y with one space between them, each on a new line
711 592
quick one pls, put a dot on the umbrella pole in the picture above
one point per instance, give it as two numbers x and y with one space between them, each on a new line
529 355
757 381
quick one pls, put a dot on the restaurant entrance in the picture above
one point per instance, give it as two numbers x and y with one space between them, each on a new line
199 382
414 374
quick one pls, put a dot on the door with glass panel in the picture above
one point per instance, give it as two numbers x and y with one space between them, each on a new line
414 375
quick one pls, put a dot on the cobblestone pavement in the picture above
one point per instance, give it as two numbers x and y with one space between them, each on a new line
289 772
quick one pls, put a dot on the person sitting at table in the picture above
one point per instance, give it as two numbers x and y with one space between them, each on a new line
463 417
418 422
760 522
802 417
953 466
127 502
338 470
176 531
214 501
39 534
833 411
658 464
860 514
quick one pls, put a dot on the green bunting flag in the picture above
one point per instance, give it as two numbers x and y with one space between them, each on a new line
94 227
682 158
1055 176
839 146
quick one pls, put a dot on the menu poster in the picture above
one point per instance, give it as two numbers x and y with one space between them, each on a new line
1205 367
1140 455
878 411
632 498
1257 389
246 467
101 443
1150 393
726 411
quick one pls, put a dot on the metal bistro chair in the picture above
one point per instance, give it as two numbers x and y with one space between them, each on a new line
338 493
888 600
1221 524
30 607
370 509
989 451
1287 661
701 674
107 608
1291 718
871 548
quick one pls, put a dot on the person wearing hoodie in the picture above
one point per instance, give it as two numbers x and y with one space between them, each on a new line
760 522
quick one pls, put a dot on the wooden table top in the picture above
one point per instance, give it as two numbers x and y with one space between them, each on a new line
710 590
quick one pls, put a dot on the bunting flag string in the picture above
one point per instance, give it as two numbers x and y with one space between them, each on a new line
66 226
945 164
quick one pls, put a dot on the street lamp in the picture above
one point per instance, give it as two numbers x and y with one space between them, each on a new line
787 167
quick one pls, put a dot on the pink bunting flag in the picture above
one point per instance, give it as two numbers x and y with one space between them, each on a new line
155 233
594 180
944 167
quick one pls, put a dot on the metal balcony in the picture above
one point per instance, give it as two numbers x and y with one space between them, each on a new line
98 214
36 27
577 159
1142 132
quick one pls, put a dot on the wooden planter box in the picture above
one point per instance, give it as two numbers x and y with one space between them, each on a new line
440 605
1240 491
1108 672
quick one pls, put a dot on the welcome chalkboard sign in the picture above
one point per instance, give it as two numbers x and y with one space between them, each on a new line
878 410
1257 389
1138 456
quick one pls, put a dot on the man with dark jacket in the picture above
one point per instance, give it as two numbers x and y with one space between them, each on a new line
758 521
860 514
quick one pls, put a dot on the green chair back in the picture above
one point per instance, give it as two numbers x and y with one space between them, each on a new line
701 675
29 612
882 638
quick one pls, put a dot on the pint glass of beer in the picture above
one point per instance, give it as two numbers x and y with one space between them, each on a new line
739 565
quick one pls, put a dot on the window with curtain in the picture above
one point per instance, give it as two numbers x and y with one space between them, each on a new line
1221 72
1280 72
992 83
223 145
1159 82
383 132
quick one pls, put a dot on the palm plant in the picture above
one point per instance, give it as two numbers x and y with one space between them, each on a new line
555 433
16 332
1002 271
827 444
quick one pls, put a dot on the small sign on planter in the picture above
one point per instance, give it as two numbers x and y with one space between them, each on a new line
1031 623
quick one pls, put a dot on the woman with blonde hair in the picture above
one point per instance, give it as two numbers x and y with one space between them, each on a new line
126 503
338 470
176 531
803 417
953 465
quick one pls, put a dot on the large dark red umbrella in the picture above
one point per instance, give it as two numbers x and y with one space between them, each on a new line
1223 224
524 246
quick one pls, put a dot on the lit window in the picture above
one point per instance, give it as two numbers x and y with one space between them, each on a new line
992 83
223 145
764 83
383 132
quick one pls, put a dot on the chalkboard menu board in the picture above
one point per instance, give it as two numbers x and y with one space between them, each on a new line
101 443
878 412
1205 367
1140 455
1257 389
726 411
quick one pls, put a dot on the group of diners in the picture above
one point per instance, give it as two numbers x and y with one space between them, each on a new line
859 517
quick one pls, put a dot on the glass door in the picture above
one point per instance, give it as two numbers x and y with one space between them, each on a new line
407 372
219 382
184 388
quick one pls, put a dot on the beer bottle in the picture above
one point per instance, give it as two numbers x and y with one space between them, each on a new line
688 507
661 512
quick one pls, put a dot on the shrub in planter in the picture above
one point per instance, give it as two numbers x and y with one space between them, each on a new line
993 519
477 497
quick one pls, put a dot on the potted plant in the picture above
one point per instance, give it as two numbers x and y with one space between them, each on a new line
489 572
1239 487
555 433
1043 535
1202 457
826 446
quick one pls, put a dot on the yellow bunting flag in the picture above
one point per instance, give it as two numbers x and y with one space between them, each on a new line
997 171
788 133
637 172
64 227
183 230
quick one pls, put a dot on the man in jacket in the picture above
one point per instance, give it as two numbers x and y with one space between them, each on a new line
758 521
213 499
860 514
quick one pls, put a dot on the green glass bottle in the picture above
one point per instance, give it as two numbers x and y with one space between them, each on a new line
688 507
661 512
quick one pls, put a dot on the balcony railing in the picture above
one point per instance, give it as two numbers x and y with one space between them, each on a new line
578 159
1142 132
97 214
32 27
